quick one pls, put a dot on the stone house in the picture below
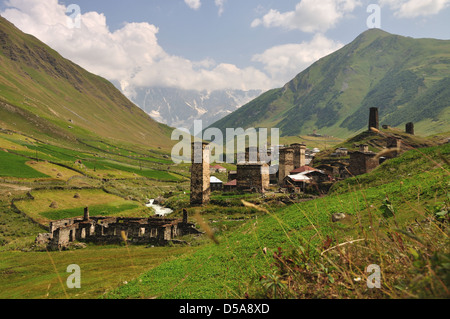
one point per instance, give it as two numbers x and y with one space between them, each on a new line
217 169
216 184
253 177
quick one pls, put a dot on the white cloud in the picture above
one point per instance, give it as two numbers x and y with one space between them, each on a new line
133 57
193 4
415 8
309 15
284 62
221 5
130 56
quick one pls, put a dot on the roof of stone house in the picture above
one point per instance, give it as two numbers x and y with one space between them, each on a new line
303 169
231 183
215 180
299 178
217 167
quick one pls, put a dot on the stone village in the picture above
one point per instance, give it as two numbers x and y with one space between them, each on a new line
293 175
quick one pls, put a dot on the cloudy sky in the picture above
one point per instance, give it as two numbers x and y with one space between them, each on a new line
212 44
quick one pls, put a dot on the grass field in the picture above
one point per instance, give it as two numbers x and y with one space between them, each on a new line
103 203
265 250
52 170
12 165
42 275
248 260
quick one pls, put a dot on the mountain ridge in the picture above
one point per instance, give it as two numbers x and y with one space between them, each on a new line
179 108
65 101
333 95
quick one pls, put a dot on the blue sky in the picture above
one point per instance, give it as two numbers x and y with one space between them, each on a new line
214 44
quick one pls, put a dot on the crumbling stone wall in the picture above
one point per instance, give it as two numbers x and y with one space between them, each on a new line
393 142
114 230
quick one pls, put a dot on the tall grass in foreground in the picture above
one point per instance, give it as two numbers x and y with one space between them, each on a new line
413 256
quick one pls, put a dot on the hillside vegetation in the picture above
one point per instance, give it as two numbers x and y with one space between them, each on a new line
407 79
48 97
297 251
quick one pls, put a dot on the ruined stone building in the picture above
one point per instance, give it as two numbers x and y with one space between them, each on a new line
200 174
362 161
114 230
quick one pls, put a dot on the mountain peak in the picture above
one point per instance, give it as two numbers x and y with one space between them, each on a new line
406 78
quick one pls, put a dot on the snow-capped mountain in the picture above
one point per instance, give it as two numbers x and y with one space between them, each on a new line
179 108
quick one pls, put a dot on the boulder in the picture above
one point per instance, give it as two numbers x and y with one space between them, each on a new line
338 217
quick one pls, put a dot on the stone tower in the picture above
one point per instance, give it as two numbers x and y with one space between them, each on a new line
200 174
299 155
286 163
410 128
373 118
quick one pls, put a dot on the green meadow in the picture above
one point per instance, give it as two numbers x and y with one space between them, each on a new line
253 247
12 165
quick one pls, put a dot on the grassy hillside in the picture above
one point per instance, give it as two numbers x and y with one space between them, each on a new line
407 79
48 97
298 252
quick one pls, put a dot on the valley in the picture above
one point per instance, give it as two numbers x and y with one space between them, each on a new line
81 168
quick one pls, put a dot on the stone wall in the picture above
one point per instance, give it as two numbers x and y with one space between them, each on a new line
393 143
114 230
362 163
253 176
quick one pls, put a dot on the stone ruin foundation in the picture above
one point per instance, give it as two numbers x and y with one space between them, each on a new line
115 230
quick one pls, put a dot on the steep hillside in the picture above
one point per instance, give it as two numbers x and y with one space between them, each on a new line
297 251
47 96
407 79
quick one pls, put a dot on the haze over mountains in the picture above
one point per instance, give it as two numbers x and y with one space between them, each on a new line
407 79
179 108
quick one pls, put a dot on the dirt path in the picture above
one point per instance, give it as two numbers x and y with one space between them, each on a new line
16 187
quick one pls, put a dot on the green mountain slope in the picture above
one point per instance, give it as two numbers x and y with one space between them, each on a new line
46 96
407 79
